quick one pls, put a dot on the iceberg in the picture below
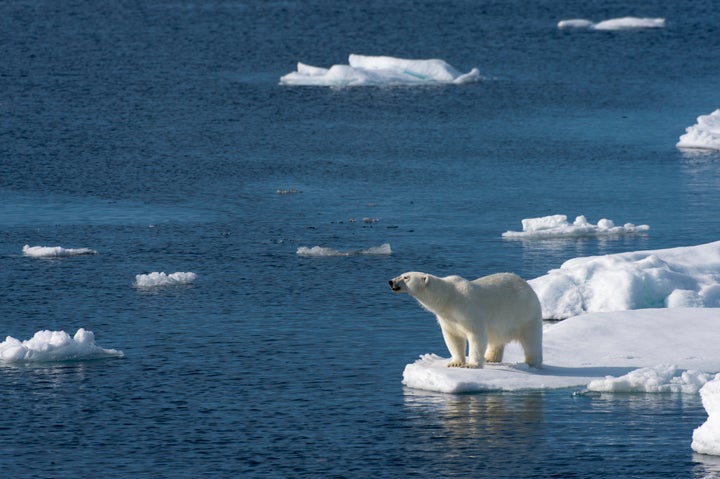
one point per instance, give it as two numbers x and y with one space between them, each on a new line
671 278
650 350
383 249
52 346
706 438
624 23
557 226
155 279
54 251
365 70
704 135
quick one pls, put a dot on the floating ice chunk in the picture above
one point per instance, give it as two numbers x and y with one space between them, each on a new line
706 438
657 379
379 70
54 251
50 346
557 226
630 23
383 249
618 351
624 23
575 23
676 277
156 279
704 135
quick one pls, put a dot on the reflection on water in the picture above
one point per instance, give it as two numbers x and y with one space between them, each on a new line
706 467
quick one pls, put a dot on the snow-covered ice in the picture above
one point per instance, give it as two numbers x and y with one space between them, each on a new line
704 135
624 23
675 277
379 70
706 438
557 226
54 251
383 249
650 350
51 346
155 279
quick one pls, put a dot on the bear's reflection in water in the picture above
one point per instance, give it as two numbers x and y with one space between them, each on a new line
483 426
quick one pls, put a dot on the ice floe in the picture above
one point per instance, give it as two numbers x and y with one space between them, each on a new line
383 249
704 135
706 438
365 70
54 251
650 350
557 226
156 279
52 346
675 277
624 23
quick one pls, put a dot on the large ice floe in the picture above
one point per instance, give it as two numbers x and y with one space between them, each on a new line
161 279
54 346
649 350
624 23
672 278
54 251
704 135
363 70
557 226
321 251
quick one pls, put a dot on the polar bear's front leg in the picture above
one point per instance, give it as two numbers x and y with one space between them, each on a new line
456 345
476 350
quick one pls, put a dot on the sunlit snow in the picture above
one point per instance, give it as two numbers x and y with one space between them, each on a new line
706 438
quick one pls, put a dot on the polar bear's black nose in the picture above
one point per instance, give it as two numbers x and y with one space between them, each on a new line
392 285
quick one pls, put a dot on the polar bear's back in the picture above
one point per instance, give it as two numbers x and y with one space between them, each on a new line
504 294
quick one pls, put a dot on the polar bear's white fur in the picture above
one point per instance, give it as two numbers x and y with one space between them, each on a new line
487 313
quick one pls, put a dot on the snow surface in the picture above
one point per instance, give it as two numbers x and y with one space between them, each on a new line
54 251
155 279
672 278
624 23
650 350
557 226
704 135
51 346
379 70
706 438
383 249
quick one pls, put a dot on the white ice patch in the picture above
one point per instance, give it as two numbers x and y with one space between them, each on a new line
365 70
557 226
704 135
54 251
672 278
621 351
624 23
383 249
706 438
155 279
51 346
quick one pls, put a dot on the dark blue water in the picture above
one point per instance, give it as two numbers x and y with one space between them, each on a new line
155 132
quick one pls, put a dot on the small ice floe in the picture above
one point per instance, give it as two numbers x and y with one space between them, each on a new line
683 277
155 279
52 346
365 70
656 379
290 191
319 251
624 23
54 251
557 226
706 438
704 135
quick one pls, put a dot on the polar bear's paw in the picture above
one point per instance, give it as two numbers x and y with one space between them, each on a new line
457 364
471 365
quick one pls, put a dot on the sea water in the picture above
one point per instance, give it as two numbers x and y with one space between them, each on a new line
156 134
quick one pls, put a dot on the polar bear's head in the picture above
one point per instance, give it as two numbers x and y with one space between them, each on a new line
411 282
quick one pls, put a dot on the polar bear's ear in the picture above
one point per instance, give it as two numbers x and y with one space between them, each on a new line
425 279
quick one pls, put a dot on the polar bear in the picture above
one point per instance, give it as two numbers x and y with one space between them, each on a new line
487 313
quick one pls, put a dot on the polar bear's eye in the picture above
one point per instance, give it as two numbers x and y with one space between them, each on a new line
405 276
